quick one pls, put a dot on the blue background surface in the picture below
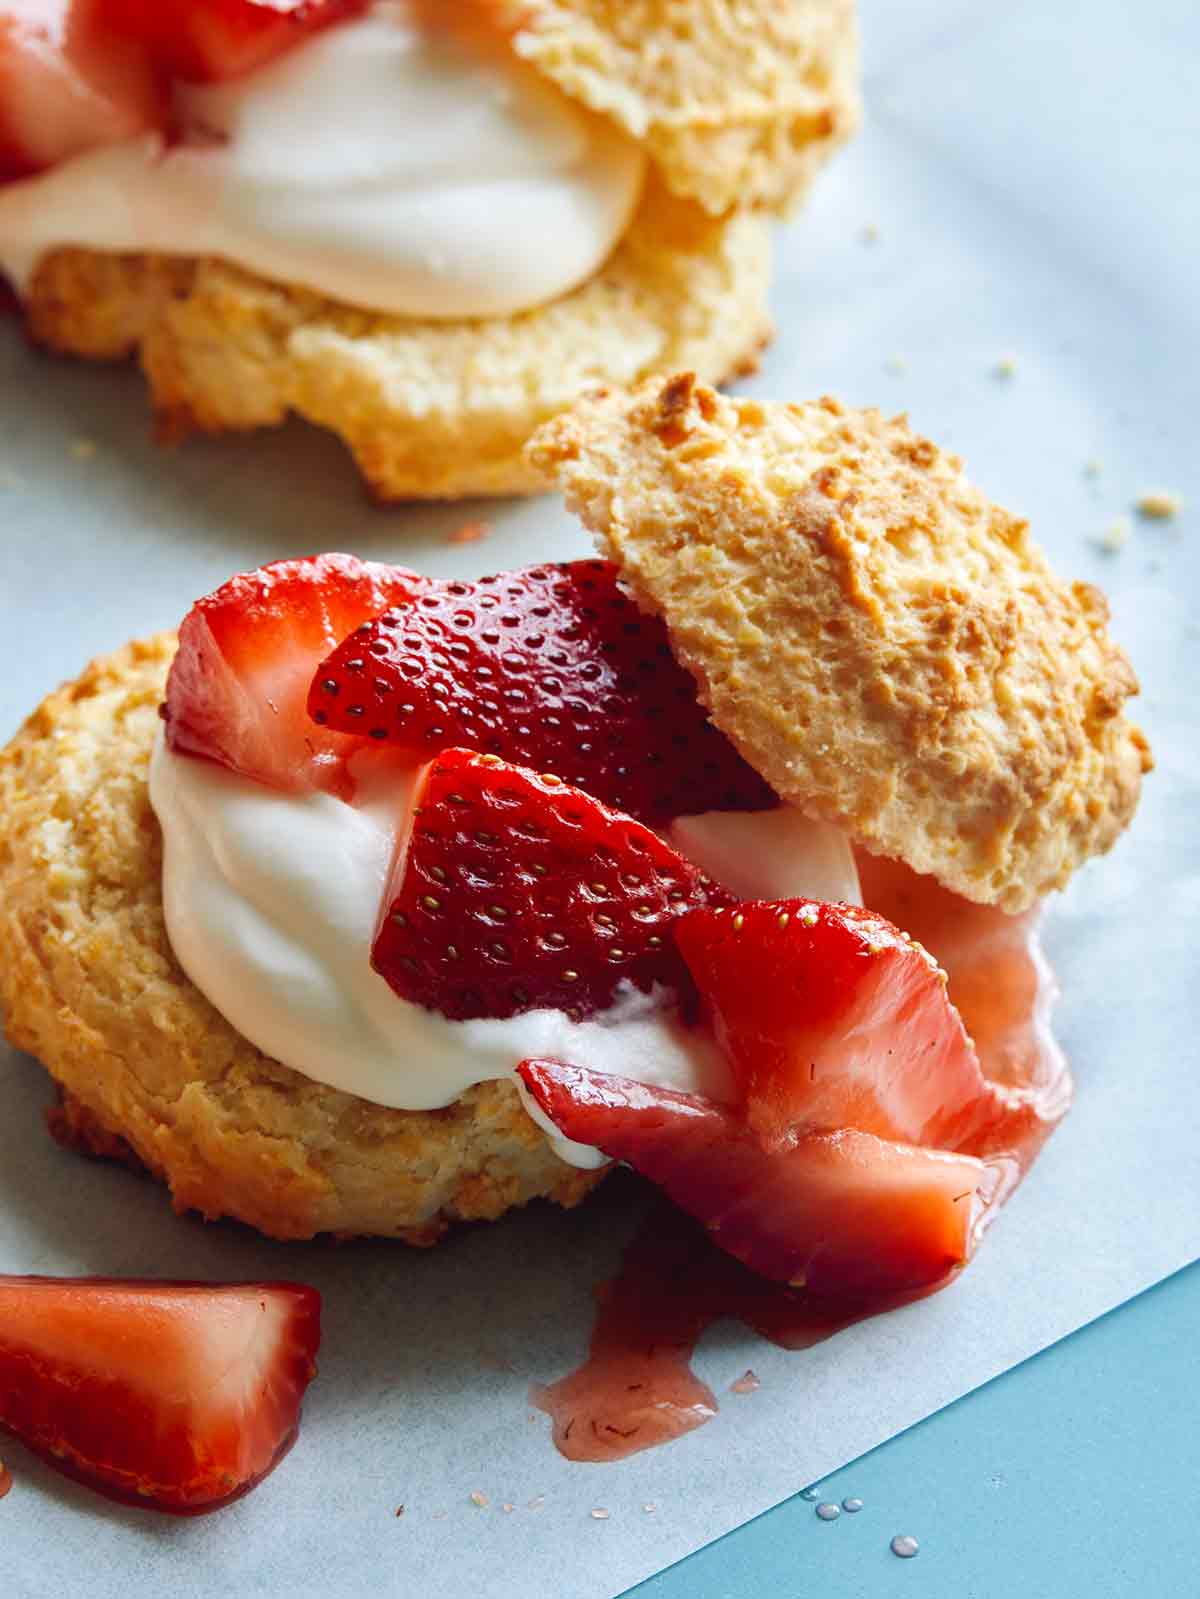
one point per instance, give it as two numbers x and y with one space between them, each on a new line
1074 1474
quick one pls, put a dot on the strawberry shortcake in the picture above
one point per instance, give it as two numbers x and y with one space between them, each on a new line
373 901
426 226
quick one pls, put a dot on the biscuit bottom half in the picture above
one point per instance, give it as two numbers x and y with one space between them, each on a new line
429 409
147 1067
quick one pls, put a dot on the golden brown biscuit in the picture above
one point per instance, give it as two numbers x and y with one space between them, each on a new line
884 644
736 107
429 409
89 985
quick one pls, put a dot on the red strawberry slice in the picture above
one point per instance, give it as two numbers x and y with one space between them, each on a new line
552 667
207 41
832 1017
175 1396
66 85
514 891
247 652
851 1218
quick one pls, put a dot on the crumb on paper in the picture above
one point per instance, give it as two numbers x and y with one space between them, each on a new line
536 1502
469 533
747 1383
1115 536
1093 467
870 234
399 1510
479 1499
650 1507
600 1514
896 365
1159 505
508 1507
1005 367
83 449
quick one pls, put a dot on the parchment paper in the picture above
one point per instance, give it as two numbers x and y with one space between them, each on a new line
1033 187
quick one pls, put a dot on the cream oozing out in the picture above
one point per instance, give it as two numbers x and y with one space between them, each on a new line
271 901
387 164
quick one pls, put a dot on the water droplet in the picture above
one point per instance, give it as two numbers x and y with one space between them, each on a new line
904 1545
852 1505
650 1507
808 1493
746 1383
828 1511
600 1514
537 1502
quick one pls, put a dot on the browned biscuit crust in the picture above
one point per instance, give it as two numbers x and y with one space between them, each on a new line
884 644
428 409
89 985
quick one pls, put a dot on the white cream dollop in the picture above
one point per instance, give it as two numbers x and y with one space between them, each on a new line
271 901
383 163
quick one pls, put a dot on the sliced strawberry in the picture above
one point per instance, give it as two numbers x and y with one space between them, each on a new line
66 85
1002 985
514 892
552 667
832 1017
207 41
176 1396
851 1218
247 652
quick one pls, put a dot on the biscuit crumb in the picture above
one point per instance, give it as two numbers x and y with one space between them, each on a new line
649 1507
600 1514
1159 505
470 533
508 1508
479 1499
1005 367
1115 536
399 1510
747 1383
83 449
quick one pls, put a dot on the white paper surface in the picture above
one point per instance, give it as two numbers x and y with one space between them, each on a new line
1033 187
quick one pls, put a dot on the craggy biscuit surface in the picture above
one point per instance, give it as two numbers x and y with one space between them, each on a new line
884 644
737 102
428 409
89 985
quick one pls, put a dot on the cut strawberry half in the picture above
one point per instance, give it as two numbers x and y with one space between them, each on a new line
175 1396
851 1218
66 85
552 667
834 1018
237 690
207 41
514 891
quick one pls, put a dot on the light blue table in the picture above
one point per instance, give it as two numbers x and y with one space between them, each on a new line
1074 1474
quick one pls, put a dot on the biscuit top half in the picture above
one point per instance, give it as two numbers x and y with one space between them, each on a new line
736 105
884 644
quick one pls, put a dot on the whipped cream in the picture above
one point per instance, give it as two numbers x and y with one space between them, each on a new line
389 165
271 901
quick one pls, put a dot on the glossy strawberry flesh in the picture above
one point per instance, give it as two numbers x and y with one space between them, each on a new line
67 85
851 1218
1000 982
832 1017
207 41
238 686
514 891
552 667
174 1396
